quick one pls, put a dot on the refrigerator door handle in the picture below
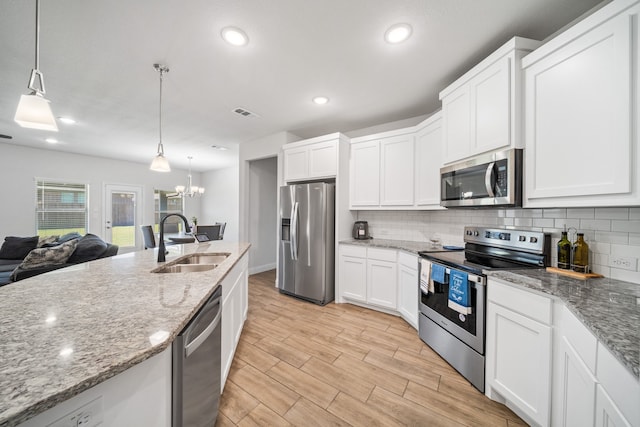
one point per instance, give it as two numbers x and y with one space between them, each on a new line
294 231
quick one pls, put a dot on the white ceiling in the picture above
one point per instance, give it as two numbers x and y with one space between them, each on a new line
97 57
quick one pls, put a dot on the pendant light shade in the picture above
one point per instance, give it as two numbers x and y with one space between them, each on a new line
160 162
34 111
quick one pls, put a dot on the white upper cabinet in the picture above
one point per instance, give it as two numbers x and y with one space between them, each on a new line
582 92
428 157
398 169
311 159
482 109
365 174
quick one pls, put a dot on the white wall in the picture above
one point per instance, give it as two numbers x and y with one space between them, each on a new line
261 148
263 214
220 200
19 166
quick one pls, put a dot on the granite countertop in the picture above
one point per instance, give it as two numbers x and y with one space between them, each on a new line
66 331
404 245
609 308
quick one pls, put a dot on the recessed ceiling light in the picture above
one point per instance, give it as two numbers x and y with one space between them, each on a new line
51 140
397 33
320 100
219 147
234 36
67 120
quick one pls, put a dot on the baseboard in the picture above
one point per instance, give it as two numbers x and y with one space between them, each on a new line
261 268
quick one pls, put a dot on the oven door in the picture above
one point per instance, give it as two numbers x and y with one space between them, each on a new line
469 328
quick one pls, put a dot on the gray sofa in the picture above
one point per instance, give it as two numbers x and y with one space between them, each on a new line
24 257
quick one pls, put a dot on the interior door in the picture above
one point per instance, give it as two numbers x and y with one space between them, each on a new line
123 216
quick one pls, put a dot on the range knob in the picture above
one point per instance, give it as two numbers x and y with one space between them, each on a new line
469 233
522 238
502 236
533 239
475 233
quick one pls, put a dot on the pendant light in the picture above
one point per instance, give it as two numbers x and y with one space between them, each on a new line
160 162
33 110
190 190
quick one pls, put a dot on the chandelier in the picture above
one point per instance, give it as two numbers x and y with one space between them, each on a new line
190 190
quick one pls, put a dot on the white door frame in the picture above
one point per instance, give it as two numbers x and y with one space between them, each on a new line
108 188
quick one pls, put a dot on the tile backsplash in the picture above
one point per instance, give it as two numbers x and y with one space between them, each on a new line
610 232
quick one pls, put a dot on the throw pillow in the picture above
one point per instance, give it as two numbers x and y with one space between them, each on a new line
47 241
17 247
49 256
89 248
69 236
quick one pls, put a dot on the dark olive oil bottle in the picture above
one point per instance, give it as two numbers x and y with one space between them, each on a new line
564 252
581 255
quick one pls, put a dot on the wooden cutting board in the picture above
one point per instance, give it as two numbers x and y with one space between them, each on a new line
574 274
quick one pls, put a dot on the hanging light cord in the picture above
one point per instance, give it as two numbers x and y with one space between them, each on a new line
162 69
37 34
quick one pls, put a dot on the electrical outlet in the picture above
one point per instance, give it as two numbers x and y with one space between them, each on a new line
89 415
625 263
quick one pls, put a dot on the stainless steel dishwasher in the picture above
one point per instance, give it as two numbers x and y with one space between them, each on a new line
196 367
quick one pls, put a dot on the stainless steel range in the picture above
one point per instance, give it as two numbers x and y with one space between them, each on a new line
453 292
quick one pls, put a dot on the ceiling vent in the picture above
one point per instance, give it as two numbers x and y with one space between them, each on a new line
244 112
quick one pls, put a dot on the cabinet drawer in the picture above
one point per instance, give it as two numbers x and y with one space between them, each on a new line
381 254
353 250
524 302
583 341
408 260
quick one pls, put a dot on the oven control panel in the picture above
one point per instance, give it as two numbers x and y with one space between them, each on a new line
524 240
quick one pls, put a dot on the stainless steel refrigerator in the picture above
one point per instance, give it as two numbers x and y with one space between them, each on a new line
306 259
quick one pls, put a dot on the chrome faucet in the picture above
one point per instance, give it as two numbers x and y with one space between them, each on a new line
162 250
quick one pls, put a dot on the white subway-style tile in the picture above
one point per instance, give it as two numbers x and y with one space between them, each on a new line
554 213
544 222
625 251
634 239
563 223
634 213
611 237
581 213
612 213
595 224
628 226
523 222
629 276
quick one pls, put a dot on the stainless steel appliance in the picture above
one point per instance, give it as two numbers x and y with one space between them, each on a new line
493 179
196 367
306 253
460 337
361 230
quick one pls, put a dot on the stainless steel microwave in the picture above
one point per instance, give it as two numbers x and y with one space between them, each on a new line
488 180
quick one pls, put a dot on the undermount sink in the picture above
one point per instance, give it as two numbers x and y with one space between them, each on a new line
186 268
194 263
203 259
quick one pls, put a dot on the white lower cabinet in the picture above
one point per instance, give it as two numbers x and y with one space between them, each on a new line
408 288
234 313
352 280
576 397
381 283
518 354
607 413
380 279
529 336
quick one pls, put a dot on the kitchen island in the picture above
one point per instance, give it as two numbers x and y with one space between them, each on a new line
67 331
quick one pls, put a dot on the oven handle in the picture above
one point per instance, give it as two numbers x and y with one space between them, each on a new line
479 280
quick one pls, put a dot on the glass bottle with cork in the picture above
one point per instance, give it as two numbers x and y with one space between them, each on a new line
580 252
564 251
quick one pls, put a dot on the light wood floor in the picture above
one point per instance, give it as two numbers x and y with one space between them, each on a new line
338 365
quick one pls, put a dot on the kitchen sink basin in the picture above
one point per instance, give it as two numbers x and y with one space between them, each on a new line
186 268
203 259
